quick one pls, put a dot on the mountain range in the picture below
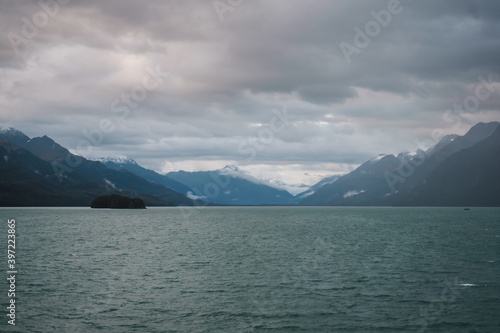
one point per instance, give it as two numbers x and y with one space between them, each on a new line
456 171
232 186
469 177
128 164
40 172
388 180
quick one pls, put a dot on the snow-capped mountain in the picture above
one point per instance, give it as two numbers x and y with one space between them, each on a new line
386 179
376 159
363 186
311 190
10 131
236 172
469 177
231 186
34 167
13 136
130 165
117 160
458 170
293 189
443 142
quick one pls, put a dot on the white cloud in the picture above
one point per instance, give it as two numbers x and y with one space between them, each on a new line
353 193
192 196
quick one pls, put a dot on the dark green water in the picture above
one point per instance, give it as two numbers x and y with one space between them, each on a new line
260 269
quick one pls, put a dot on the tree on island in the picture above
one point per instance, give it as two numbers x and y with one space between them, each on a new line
117 201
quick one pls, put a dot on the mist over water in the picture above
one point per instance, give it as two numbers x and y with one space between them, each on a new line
257 269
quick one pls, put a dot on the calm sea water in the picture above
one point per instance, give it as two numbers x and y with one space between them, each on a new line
255 269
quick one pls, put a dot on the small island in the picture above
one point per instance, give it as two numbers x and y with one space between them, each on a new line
117 201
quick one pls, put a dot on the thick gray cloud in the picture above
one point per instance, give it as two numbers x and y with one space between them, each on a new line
65 68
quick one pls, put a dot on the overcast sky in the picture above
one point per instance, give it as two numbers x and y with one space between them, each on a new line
294 90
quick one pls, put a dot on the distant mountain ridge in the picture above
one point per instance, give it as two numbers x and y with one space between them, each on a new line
436 155
458 170
469 177
13 136
364 186
231 186
128 164
370 184
316 187
29 165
